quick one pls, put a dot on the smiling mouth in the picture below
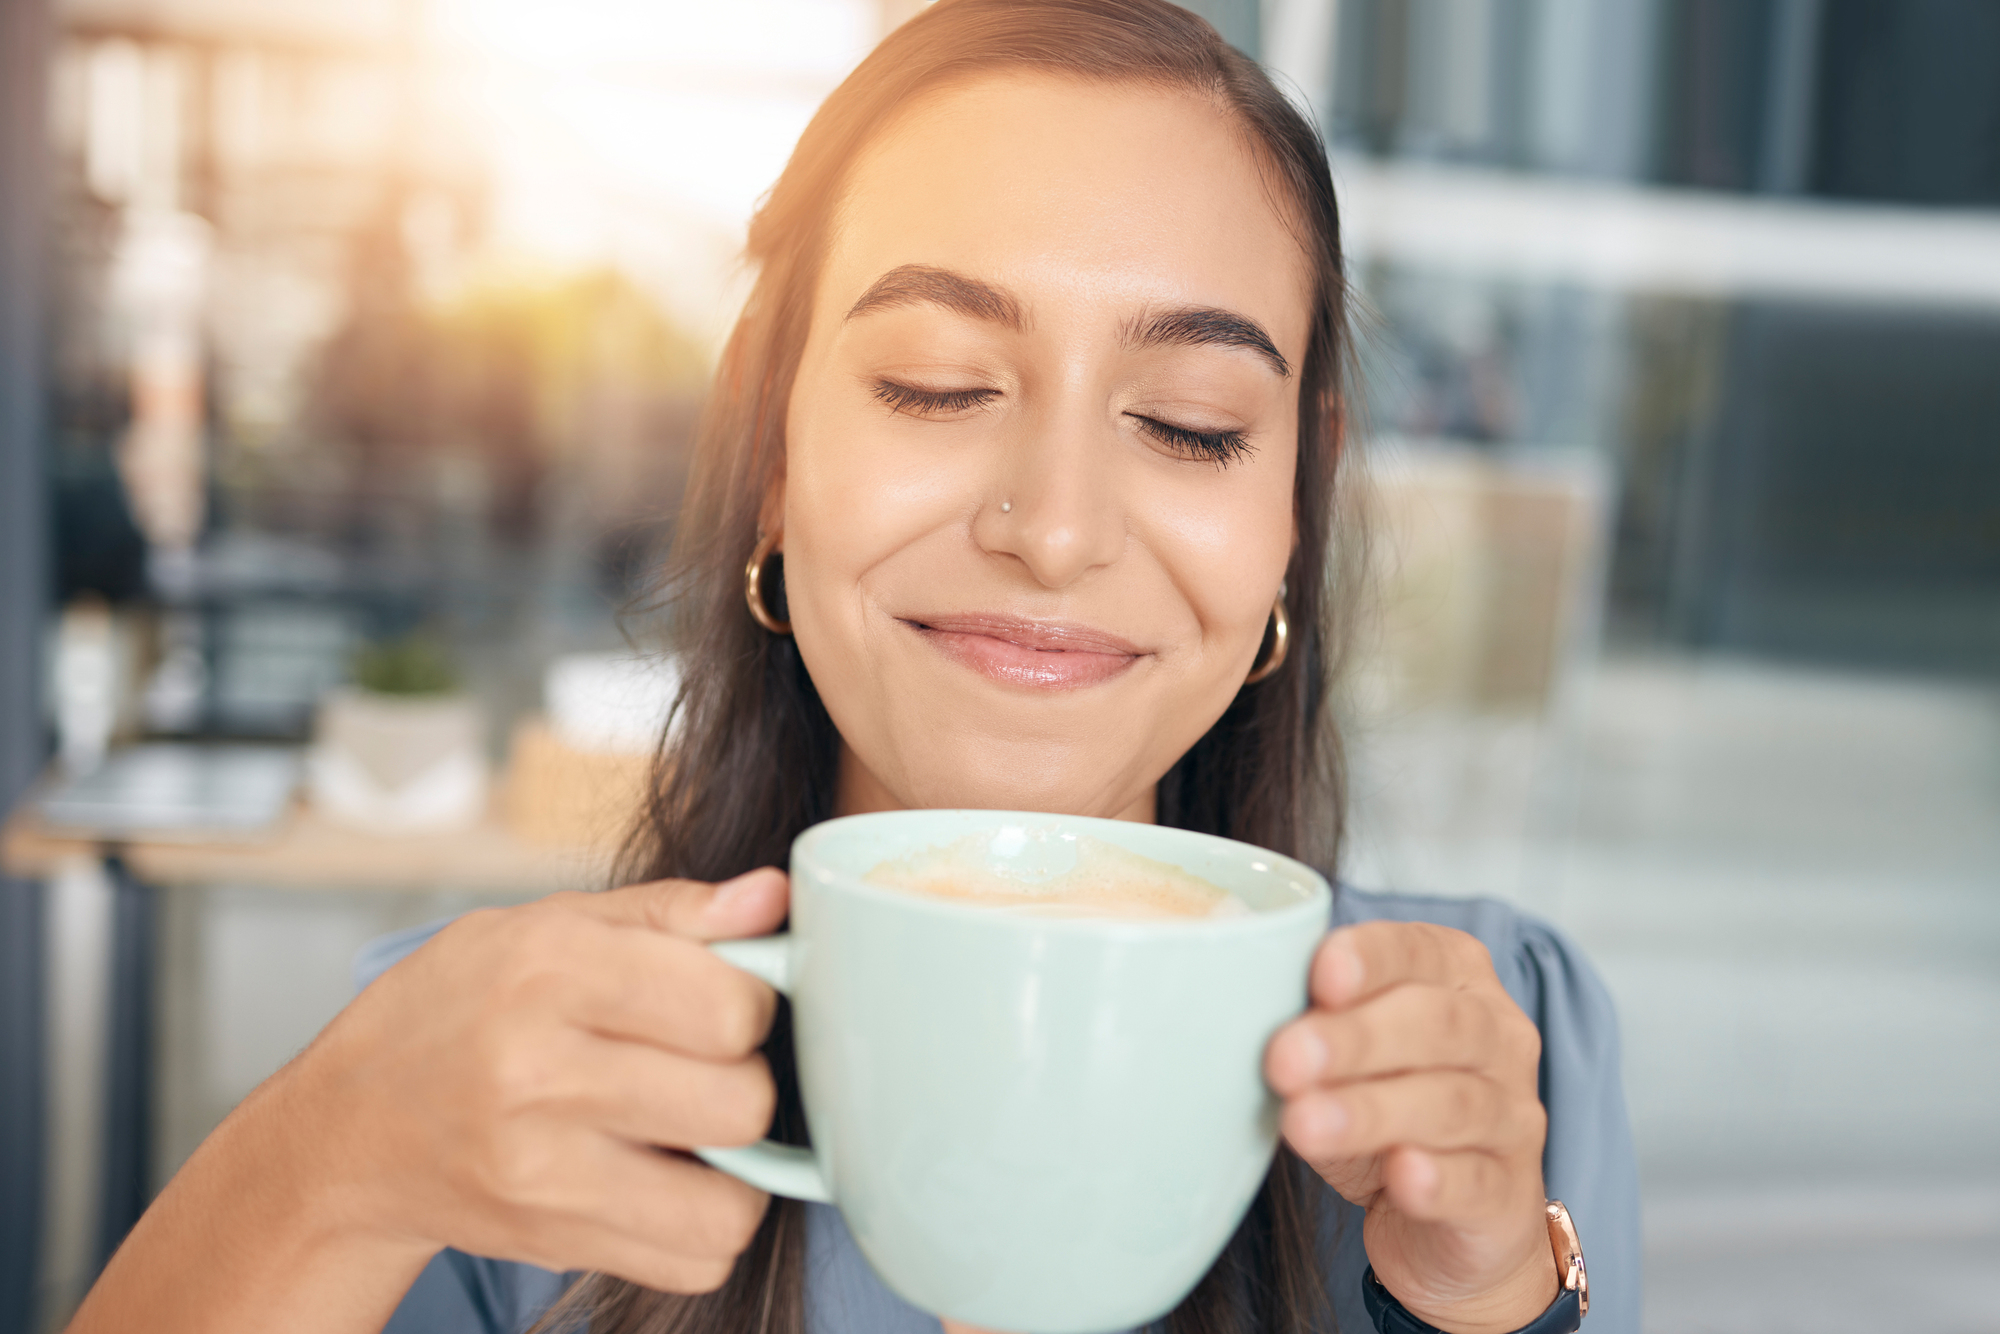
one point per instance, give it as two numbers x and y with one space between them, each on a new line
1044 655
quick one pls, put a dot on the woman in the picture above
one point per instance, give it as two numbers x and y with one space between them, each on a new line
1029 432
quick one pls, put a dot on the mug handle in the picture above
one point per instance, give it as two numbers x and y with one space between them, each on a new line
782 1169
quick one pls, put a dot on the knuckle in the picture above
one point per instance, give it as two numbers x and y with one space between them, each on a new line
1468 951
516 1073
539 1242
533 962
1469 1102
1482 1030
749 1104
515 1169
1521 1039
1531 1041
1534 1122
662 902
1433 943
699 1275
740 1018
731 1219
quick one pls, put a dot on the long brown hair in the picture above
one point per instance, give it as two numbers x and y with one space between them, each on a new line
753 757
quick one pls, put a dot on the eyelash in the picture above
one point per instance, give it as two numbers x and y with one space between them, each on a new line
1219 447
909 398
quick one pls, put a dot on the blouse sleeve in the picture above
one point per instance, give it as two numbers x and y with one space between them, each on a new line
1588 1163
465 1294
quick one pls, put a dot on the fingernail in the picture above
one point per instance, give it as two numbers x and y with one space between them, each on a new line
732 889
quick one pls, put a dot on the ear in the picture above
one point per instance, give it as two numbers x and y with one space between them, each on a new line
771 511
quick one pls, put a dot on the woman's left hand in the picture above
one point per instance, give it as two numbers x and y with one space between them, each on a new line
1410 1086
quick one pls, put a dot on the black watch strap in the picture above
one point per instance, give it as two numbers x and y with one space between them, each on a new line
1389 1316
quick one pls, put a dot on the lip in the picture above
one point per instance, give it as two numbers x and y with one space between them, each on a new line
1043 655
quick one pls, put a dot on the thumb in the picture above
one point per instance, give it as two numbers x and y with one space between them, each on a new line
751 904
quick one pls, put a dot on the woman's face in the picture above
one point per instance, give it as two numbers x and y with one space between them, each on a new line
1039 458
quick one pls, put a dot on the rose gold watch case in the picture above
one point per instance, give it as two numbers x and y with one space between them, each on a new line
1569 1255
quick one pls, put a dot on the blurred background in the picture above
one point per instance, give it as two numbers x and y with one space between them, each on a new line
348 358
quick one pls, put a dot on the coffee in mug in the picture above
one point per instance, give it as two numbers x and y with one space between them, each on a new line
1104 881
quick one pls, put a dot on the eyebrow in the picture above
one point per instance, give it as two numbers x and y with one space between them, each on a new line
1205 326
1180 326
911 284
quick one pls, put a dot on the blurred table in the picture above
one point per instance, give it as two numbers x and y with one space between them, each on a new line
304 851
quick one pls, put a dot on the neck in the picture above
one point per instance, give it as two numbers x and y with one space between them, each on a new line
860 792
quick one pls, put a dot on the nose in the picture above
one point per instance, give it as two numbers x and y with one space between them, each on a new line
1057 479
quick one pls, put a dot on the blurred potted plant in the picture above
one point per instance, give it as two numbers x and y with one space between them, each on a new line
402 750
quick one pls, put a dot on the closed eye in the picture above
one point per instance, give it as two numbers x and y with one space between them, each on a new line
1218 447
931 402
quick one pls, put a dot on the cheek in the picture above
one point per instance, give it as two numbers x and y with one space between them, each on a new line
1226 547
855 495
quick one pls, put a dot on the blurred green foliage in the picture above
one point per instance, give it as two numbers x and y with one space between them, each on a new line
415 664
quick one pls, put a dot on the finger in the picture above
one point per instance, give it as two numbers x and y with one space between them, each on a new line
752 904
1454 1187
595 1249
662 990
1356 962
1406 1028
660 1219
677 1203
1444 1110
647 1266
651 1097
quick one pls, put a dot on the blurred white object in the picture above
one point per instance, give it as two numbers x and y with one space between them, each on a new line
87 682
177 691
394 765
178 789
610 703
1300 39
79 951
159 277
1611 236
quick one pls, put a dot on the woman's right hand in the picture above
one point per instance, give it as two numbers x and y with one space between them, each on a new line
508 1089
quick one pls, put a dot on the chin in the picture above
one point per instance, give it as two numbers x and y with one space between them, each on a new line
1046 776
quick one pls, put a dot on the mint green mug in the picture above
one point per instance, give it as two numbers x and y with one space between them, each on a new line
1046 1125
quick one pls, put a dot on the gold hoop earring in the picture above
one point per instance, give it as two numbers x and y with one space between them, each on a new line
1281 636
753 585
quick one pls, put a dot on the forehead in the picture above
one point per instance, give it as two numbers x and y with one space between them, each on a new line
1074 194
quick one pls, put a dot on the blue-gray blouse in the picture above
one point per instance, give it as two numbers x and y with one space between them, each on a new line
1588 1163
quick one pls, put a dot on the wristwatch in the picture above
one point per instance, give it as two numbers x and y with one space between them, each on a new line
1564 1316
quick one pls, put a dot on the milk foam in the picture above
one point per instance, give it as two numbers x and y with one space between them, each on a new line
1105 881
